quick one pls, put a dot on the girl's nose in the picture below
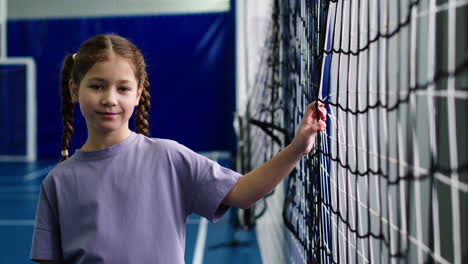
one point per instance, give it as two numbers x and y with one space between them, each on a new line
109 98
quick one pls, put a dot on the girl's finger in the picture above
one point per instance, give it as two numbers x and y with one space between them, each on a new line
323 125
313 105
323 113
320 126
312 109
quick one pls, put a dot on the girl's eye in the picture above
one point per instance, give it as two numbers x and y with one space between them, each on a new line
124 89
96 86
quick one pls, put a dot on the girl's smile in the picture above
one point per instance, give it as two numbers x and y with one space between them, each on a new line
107 115
107 95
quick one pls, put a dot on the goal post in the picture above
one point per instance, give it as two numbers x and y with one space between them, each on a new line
30 129
27 146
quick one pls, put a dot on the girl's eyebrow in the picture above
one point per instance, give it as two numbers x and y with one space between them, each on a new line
104 80
97 79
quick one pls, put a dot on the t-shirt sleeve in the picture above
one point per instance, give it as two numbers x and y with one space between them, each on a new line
207 184
46 243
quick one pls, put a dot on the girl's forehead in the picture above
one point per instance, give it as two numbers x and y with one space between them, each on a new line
114 68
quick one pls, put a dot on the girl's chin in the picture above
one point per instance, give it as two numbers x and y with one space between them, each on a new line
108 129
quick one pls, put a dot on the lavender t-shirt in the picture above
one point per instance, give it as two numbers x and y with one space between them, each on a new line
127 203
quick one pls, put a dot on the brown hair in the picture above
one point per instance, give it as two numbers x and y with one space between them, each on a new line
75 67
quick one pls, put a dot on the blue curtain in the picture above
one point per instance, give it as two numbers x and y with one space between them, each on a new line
190 62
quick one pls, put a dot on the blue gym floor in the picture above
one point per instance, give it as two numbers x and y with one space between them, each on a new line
19 190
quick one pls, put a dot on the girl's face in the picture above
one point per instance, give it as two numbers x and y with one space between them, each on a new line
107 95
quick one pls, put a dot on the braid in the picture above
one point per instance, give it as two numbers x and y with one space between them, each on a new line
67 105
141 120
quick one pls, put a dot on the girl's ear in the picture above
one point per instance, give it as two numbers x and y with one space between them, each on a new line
73 91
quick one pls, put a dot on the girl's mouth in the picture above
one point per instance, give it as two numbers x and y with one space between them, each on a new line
107 115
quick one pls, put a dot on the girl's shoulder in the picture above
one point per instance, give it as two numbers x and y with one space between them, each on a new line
162 144
169 147
60 169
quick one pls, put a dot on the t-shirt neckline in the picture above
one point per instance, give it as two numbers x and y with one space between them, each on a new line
105 152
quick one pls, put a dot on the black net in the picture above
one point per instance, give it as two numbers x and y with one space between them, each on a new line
388 181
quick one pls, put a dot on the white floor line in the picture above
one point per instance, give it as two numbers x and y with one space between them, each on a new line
20 188
16 222
200 244
38 173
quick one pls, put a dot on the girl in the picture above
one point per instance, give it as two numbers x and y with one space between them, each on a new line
125 197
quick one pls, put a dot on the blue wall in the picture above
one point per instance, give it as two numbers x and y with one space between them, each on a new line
190 62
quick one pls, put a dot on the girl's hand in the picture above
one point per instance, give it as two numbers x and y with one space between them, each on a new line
257 183
305 135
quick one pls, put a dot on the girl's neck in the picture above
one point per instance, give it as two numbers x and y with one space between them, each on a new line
100 141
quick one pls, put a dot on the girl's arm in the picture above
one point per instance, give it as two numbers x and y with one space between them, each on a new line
259 182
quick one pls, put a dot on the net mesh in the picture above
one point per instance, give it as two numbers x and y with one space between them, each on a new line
387 181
